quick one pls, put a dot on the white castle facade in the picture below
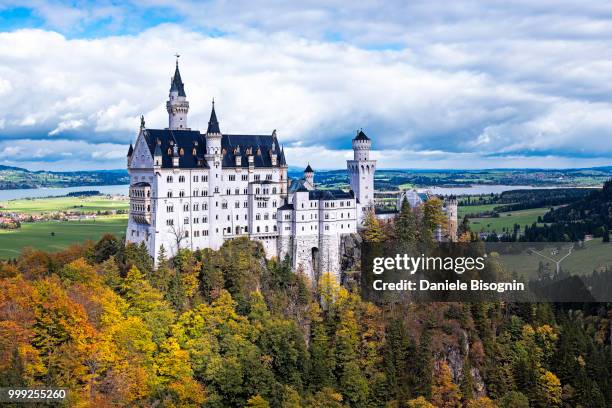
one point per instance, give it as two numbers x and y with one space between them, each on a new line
196 190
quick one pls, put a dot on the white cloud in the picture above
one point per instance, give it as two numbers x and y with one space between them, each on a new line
465 79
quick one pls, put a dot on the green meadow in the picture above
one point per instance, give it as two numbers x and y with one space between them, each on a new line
595 255
54 236
48 205
505 220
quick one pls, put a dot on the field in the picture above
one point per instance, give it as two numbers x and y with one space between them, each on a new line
505 220
462 210
594 255
38 235
47 205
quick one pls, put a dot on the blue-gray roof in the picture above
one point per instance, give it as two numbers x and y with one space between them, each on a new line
193 145
330 195
177 84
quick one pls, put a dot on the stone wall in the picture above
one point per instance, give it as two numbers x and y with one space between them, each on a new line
350 259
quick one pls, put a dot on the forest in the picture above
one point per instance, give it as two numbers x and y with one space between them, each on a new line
230 328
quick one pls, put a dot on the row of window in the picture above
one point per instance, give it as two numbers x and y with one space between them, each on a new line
204 178
228 230
140 193
140 207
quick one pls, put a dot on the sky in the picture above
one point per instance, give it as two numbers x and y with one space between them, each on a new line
434 84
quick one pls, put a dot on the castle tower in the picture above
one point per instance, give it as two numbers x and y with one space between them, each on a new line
213 157
451 213
361 174
309 177
177 105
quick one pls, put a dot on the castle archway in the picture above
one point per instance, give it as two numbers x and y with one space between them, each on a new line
314 261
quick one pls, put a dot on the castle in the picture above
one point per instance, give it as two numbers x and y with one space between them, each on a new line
196 190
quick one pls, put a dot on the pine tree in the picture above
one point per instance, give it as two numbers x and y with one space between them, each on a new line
320 373
406 225
161 276
372 230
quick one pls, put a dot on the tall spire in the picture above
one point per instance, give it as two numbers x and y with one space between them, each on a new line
177 83
213 124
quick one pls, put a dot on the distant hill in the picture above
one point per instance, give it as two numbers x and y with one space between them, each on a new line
19 178
594 209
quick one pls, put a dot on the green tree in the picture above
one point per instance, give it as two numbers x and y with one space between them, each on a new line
514 399
372 230
320 373
406 228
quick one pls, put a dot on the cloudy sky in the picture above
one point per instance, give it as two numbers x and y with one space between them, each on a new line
471 84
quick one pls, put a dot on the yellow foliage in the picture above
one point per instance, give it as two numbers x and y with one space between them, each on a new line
481 402
419 402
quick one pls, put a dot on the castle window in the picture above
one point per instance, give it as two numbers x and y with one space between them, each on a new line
181 193
181 151
169 179
169 222
256 177
181 179
186 234
275 228
205 206
237 204
186 207
232 177
266 228
204 193
204 178
186 220
205 220
169 151
237 191
196 207
268 177
245 204
195 178
228 192
169 194
193 152
245 177
257 229
205 233
273 190
257 217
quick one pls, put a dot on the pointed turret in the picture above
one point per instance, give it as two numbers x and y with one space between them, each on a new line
361 135
213 123
177 83
177 105
130 151
309 177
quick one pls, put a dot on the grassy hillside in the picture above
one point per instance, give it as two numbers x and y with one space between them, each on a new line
594 256
506 219
39 235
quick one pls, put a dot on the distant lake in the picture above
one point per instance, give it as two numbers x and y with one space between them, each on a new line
122 189
484 189
119 189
